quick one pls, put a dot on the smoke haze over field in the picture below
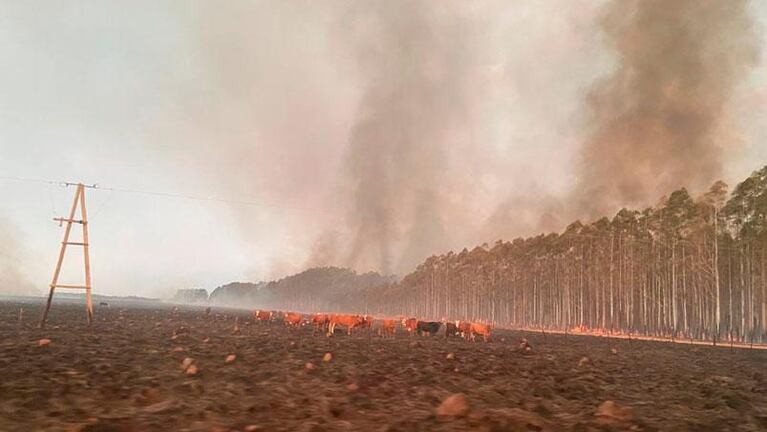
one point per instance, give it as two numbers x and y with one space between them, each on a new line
659 119
12 279
417 62
361 134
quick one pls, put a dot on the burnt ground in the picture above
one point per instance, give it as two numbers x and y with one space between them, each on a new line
125 374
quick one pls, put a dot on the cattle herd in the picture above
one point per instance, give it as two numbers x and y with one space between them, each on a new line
329 324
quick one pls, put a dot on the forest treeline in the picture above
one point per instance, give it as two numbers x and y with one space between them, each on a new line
690 267
315 289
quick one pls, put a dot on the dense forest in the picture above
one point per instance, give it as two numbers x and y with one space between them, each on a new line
690 267
236 293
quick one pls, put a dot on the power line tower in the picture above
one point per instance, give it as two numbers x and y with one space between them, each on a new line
83 221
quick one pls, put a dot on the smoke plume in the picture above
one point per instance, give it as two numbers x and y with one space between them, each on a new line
416 63
657 120
12 279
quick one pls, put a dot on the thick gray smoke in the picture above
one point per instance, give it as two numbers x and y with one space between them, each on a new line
12 279
415 58
657 120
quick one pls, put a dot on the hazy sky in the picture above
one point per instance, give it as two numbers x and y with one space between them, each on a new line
270 102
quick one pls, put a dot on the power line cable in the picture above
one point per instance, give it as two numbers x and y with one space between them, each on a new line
164 194
32 180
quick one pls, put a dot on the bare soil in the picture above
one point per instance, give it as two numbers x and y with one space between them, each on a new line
125 374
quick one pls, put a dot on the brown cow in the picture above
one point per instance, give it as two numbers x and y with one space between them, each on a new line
320 321
366 322
388 327
480 329
410 324
292 319
464 328
348 321
260 315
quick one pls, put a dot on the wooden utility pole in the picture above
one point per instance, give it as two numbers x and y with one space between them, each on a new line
79 199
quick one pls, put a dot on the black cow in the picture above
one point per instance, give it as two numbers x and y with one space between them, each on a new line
430 327
450 329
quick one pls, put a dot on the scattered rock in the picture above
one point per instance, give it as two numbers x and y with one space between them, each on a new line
186 363
231 358
310 366
178 349
206 340
614 350
353 387
191 370
327 357
610 412
415 344
149 396
454 405
251 428
450 356
585 361
43 342
524 345
722 380
236 330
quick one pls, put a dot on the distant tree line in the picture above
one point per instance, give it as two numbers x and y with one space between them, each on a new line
193 295
326 289
687 268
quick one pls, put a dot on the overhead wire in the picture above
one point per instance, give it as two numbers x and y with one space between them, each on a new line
103 205
194 197
31 180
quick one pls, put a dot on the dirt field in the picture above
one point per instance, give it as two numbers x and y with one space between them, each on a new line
126 375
